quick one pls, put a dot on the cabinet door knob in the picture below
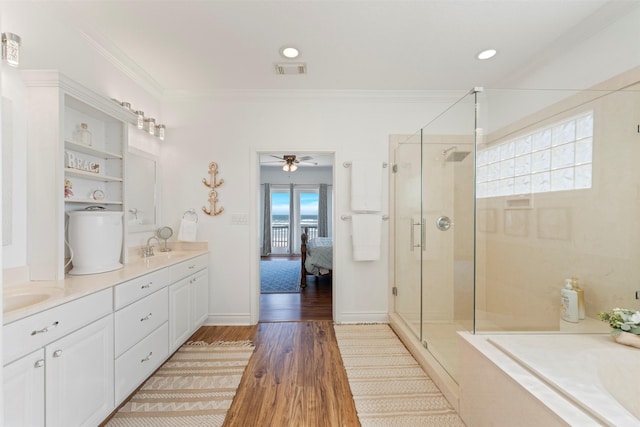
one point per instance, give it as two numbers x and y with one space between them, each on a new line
45 330
147 317
39 363
191 267
146 359
148 285
57 353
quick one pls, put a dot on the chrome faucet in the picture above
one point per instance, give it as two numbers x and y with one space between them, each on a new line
147 251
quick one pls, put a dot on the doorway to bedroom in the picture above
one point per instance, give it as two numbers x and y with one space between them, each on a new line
296 203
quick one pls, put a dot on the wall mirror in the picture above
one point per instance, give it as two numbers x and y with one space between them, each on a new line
7 171
141 191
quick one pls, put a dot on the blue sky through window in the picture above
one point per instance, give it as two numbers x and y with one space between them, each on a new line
308 203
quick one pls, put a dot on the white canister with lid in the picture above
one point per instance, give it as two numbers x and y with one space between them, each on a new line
95 240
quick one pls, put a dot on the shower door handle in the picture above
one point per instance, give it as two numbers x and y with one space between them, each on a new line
443 223
413 239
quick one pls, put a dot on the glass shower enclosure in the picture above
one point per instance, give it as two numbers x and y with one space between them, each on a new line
505 195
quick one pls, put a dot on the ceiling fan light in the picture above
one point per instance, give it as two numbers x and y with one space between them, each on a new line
290 167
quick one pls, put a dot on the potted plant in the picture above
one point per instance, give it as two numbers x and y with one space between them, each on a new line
625 325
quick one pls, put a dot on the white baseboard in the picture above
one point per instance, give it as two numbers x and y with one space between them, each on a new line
243 319
362 317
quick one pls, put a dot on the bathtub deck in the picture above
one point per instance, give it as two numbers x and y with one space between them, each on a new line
589 369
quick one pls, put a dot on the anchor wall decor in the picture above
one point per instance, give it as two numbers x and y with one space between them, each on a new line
213 172
213 200
213 183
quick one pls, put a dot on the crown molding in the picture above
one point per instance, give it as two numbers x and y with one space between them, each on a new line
402 96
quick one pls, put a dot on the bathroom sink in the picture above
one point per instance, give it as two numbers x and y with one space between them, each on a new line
14 302
163 257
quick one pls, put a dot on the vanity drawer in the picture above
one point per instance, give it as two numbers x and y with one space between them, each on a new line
137 320
136 364
186 268
26 335
140 287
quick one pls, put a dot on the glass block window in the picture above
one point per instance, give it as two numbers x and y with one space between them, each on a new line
554 158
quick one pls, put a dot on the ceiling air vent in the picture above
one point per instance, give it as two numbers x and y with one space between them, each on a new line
291 68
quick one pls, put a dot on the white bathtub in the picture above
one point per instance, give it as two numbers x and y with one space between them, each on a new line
593 372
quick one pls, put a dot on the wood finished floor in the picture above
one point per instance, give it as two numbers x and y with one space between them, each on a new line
315 302
294 378
312 303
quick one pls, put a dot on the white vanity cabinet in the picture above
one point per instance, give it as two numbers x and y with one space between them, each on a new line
79 376
188 299
59 367
23 390
141 330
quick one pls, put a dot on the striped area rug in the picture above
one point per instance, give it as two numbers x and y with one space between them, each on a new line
195 387
388 386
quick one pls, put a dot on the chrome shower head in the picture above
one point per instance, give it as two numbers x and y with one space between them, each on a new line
455 156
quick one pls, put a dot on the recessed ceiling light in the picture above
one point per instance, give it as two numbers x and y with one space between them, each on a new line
486 54
289 52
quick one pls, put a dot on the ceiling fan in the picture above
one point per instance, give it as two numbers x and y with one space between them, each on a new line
291 161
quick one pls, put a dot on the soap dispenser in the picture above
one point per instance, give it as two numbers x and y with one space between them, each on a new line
580 292
569 300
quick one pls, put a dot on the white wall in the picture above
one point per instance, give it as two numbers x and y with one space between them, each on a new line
230 130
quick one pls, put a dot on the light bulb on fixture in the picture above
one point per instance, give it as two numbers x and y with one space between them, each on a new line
160 132
11 48
289 167
150 125
139 119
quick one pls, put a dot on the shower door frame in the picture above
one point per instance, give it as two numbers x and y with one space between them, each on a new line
450 305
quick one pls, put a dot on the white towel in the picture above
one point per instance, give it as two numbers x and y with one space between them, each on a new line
366 236
366 186
188 228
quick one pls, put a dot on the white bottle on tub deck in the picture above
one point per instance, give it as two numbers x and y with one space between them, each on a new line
569 300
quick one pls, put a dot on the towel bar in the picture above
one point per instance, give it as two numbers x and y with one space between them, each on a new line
191 212
348 164
346 217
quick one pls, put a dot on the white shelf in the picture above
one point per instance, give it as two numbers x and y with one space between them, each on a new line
76 173
93 202
91 151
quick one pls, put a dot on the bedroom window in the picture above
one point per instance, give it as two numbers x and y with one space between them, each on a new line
553 158
292 210
280 220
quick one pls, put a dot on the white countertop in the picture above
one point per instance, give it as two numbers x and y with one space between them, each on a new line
73 287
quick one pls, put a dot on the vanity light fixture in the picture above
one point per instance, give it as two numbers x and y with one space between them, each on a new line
289 52
144 123
487 54
11 49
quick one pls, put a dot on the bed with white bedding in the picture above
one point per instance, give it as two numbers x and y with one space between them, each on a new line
317 257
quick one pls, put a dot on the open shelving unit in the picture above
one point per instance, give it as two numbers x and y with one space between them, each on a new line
94 173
